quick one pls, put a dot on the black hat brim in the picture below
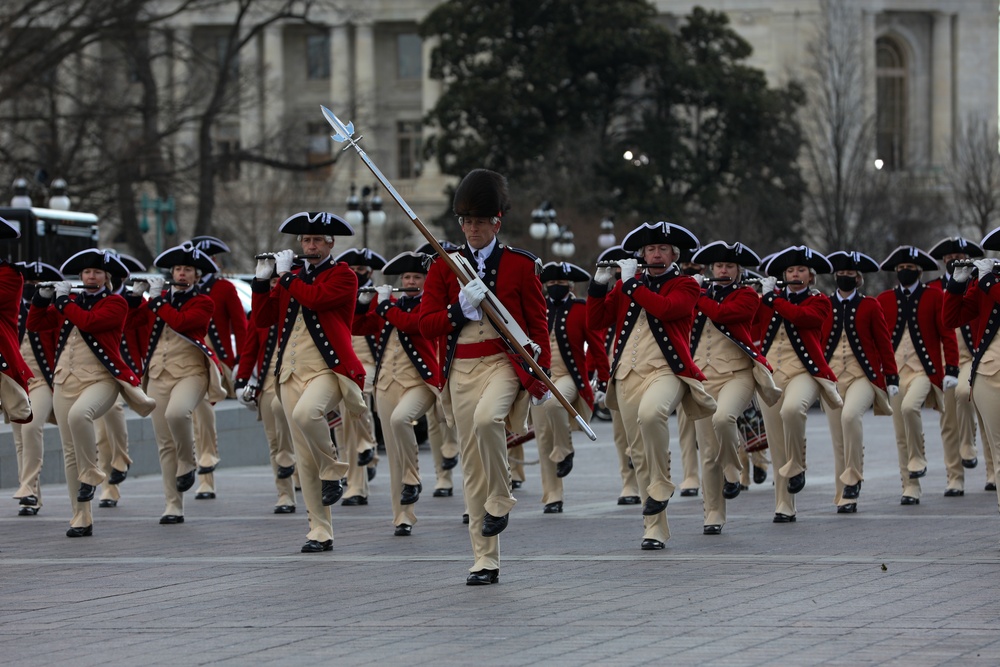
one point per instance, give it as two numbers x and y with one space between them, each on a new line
852 261
720 251
563 271
186 255
797 256
210 245
38 271
92 258
407 262
614 253
992 240
320 223
362 257
909 255
8 230
655 233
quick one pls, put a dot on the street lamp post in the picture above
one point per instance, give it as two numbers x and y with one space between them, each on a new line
364 210
163 217
607 236
544 226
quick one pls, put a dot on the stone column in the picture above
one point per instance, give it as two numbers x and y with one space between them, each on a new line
273 66
942 90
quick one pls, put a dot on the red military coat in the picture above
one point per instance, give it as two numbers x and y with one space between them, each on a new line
11 362
804 317
402 315
976 302
968 337
326 297
43 345
510 275
189 320
930 330
734 317
862 321
580 346
228 319
670 299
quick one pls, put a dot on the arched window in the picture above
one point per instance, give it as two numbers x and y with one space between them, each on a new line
890 103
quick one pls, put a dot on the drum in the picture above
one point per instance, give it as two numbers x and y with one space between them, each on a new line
751 425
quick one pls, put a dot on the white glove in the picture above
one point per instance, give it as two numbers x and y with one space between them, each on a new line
892 390
629 268
603 275
63 288
599 397
950 381
365 297
247 396
700 279
384 292
539 401
470 296
156 285
767 284
534 348
283 261
985 265
265 268
961 274
46 292
138 288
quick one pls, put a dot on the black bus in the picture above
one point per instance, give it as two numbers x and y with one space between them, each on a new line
48 234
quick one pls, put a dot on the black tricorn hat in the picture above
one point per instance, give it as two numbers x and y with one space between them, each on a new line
210 245
563 271
908 254
327 224
407 262
428 249
992 240
652 233
131 263
482 193
852 261
797 255
954 245
38 270
362 257
8 231
720 251
94 258
185 255
614 253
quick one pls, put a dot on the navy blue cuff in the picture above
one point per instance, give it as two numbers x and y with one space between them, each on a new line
40 301
260 286
287 279
61 301
951 370
384 307
360 308
955 287
988 281
155 304
456 316
630 285
597 290
768 299
892 379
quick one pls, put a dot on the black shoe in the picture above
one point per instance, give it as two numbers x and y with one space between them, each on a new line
515 484
730 490
315 546
482 578
686 493
494 525
990 486
85 531
909 500
28 511
919 473
954 493
86 493
759 475
852 491
553 508
783 518
284 509
849 508
205 495
629 500
565 466
410 494
970 463
712 529
654 506
108 502
465 519
651 545
371 473
332 491
117 476
366 457
443 493
170 519
797 482
403 530
186 481
744 487
284 472
206 470
30 501
354 501
449 462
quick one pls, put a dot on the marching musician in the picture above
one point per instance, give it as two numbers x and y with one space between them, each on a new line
790 326
38 351
356 435
687 437
571 336
407 379
958 418
652 371
180 369
913 315
316 368
14 372
483 384
228 321
859 352
723 348
89 372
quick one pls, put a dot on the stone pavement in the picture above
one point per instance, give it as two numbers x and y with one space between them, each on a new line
890 585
